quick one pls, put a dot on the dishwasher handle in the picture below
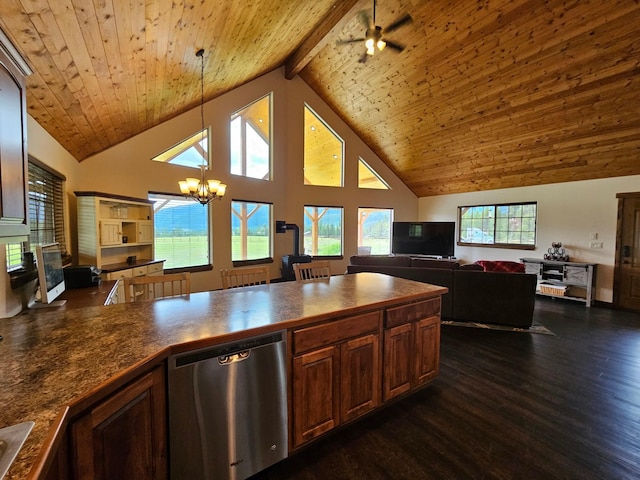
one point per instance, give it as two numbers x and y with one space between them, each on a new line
229 349
233 358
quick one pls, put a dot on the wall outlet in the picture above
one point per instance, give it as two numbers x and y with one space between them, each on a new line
595 245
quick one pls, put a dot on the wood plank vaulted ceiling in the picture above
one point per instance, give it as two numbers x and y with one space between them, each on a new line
487 94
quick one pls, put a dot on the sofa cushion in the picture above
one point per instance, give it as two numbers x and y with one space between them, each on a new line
431 263
381 260
501 266
494 297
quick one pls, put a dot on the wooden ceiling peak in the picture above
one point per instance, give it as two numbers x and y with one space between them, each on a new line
487 94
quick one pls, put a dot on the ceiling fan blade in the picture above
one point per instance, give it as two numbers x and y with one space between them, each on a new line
365 19
398 23
349 41
363 58
395 46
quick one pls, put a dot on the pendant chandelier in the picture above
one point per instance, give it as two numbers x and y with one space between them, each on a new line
201 189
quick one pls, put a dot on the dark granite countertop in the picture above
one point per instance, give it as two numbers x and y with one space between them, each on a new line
60 359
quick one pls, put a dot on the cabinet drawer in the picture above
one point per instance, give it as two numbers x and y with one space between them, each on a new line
334 332
410 313
139 271
155 268
120 274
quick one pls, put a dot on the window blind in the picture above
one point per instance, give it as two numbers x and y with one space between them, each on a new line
46 214
46 208
181 230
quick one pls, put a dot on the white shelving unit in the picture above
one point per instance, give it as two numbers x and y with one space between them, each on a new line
113 229
570 280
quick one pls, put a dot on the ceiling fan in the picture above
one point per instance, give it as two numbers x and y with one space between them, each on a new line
374 37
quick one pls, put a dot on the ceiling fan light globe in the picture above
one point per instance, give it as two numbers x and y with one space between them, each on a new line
381 44
369 44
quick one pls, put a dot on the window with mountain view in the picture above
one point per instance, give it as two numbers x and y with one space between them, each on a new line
181 231
323 231
250 140
374 231
250 231
510 225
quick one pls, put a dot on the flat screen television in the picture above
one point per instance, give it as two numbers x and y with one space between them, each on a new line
50 275
435 239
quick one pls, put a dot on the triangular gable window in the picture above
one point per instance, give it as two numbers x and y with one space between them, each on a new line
369 178
250 140
323 152
192 152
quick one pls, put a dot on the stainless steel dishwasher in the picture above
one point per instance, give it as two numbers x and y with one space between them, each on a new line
228 409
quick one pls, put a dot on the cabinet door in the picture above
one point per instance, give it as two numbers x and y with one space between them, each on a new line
13 153
360 376
427 349
398 347
316 394
145 231
125 435
578 276
110 232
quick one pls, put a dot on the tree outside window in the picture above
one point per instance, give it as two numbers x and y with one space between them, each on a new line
323 231
250 231
502 225
374 231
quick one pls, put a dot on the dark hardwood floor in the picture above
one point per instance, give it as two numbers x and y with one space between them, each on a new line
506 406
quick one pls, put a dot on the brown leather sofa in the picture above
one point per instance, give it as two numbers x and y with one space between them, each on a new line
474 295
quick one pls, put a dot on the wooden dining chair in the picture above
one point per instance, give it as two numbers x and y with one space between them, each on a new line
315 269
151 287
244 277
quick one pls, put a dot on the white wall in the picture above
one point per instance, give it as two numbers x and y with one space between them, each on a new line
567 213
127 169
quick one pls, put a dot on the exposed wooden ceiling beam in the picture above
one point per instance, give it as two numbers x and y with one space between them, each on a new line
340 14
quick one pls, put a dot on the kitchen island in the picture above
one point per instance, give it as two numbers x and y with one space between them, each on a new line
57 366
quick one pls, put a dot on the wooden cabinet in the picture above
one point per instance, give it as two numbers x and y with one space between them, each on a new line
124 436
397 360
336 374
411 347
145 231
570 280
112 228
360 376
316 394
110 232
427 349
13 145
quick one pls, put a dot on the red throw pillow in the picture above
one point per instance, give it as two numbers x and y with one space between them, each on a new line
501 266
